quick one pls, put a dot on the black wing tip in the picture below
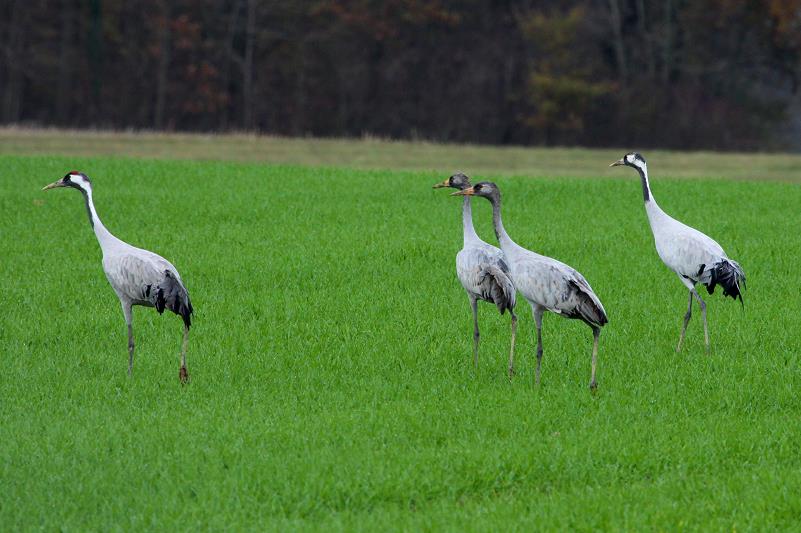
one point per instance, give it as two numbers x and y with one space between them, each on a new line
730 277
598 321
506 305
183 308
176 300
596 316
501 291
161 302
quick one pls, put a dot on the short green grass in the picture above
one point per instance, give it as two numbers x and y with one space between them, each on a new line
332 385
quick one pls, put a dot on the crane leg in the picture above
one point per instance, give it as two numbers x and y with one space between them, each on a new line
476 334
512 350
130 349
687 316
702 305
538 322
596 332
183 375
127 311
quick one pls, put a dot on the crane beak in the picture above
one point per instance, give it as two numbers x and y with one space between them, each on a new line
445 183
464 192
53 185
618 163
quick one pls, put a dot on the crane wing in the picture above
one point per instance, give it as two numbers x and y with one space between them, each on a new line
497 287
586 304
484 275
148 279
684 250
557 287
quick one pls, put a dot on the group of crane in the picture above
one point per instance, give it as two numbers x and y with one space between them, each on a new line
141 277
495 275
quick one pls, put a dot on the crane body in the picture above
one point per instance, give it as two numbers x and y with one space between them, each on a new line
691 255
138 277
482 271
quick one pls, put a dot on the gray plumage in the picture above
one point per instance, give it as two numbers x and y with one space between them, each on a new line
496 287
547 284
138 277
482 271
693 256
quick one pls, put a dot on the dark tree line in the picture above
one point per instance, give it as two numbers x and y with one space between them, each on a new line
674 73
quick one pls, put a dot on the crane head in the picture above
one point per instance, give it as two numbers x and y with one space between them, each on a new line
74 179
457 181
487 189
631 159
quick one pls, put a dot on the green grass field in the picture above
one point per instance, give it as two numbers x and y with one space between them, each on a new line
332 383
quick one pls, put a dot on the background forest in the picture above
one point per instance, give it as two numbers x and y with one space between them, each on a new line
713 74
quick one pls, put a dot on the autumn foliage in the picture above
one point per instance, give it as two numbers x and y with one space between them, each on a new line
704 74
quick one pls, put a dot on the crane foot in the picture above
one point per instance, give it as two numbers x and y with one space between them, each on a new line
183 375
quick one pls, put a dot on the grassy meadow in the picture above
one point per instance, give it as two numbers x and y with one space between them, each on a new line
379 154
332 385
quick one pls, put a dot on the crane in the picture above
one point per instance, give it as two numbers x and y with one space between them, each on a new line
693 256
482 271
138 277
547 284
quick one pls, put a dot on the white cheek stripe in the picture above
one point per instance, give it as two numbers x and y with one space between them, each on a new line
80 182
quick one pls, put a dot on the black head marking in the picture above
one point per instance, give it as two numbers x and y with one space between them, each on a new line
68 179
633 158
488 190
637 161
485 188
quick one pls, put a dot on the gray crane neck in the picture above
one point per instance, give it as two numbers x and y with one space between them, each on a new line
497 223
104 237
467 221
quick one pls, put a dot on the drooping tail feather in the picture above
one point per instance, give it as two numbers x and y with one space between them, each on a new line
729 275
172 295
497 288
589 309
